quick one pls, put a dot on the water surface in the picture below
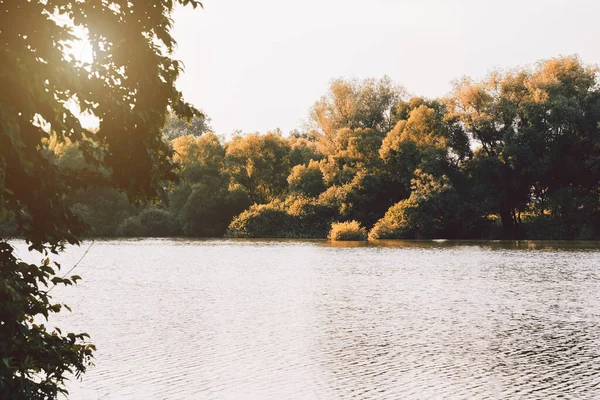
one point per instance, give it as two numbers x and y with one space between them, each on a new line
227 319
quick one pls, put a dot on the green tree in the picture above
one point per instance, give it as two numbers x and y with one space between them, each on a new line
128 86
295 217
537 130
302 150
101 207
176 127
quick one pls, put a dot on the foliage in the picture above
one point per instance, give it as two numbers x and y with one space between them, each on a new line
176 127
307 179
519 147
261 221
204 202
303 150
206 210
201 159
8 226
296 217
150 222
365 199
539 136
349 230
102 209
260 164
311 217
353 104
128 87
434 210
35 361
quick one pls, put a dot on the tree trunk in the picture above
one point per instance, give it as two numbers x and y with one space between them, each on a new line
506 218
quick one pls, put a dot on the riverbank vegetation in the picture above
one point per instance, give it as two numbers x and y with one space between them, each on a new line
349 231
514 155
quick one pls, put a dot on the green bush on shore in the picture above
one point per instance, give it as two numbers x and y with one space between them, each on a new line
150 222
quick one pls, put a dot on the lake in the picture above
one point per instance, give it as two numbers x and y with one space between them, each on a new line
260 319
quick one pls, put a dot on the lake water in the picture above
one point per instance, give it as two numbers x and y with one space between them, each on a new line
226 319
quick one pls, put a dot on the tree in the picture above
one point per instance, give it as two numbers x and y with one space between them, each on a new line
537 130
203 201
176 127
128 87
307 179
433 210
201 159
260 164
426 138
353 104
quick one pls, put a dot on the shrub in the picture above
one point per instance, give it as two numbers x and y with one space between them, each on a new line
201 215
350 230
261 221
394 224
428 213
131 227
151 222
102 209
312 218
296 217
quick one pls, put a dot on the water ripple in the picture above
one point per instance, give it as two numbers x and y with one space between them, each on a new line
218 319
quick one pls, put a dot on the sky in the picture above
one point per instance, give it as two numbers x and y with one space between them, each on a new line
260 65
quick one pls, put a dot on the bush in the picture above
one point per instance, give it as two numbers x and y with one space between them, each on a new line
550 227
206 210
350 230
394 224
102 209
261 221
131 227
150 222
311 217
365 199
296 217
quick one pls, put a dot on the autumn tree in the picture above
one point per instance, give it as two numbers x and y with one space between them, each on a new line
260 164
307 179
537 135
203 201
425 138
353 104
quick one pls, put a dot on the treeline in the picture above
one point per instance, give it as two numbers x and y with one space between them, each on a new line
516 155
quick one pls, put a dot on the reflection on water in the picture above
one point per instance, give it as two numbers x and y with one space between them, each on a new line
217 319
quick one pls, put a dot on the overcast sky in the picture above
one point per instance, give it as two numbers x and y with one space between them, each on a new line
258 65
